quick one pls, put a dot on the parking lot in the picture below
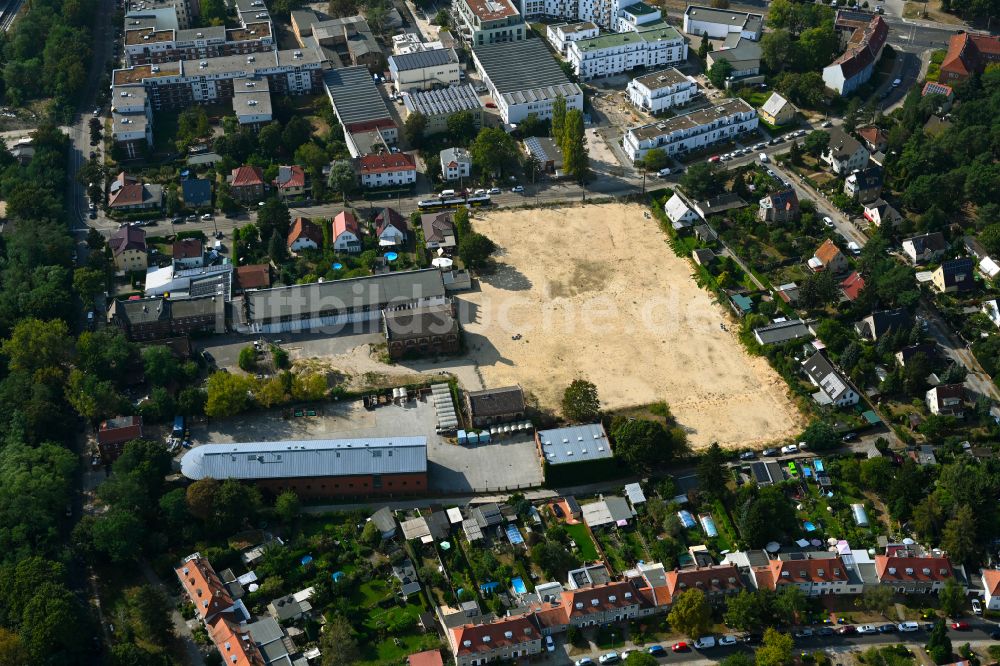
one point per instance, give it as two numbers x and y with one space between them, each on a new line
452 469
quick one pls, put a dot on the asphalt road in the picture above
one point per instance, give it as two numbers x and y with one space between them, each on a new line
954 349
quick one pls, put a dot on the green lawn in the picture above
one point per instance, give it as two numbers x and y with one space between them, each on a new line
372 592
583 541
388 652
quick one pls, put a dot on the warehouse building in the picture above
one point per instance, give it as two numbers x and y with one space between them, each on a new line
360 108
720 23
524 78
424 70
437 105
317 468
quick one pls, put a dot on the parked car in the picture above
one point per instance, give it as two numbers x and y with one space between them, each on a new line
517 189
867 629
626 653
854 248
748 455
850 437
769 453
663 173
878 9
888 628
550 645
896 82
789 448
827 221
753 639
490 105
714 158
704 643
961 625
847 630
977 607
826 123
494 190
206 216
656 650
825 631
680 646
192 218
728 639
760 145
995 635
609 658
907 627
763 158
804 633
585 661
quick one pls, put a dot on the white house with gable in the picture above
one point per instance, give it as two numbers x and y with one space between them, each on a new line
679 212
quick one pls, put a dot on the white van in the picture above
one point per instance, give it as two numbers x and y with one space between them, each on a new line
704 643
907 627
446 193
763 158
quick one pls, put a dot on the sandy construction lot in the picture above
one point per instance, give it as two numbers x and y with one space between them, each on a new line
595 292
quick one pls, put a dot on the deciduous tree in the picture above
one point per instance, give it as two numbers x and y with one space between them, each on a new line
580 401
691 614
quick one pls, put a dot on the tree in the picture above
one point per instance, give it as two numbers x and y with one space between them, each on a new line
749 610
92 398
640 442
200 497
820 436
704 47
475 249
700 181
461 126
712 471
764 515
776 46
297 131
641 658
87 282
160 366
656 159
817 289
877 598
247 359
938 644
553 558
342 178
228 394
691 614
12 651
737 659
558 118
816 142
580 402
272 217
719 72
148 611
414 128
287 506
338 645
576 161
117 534
35 345
952 597
776 649
53 625
493 151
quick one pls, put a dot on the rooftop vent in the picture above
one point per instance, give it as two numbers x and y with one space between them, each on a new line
909 571
595 602
579 604
628 595
486 639
926 571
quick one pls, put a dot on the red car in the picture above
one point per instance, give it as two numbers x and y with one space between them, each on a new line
960 626
680 647
847 629
715 158
490 105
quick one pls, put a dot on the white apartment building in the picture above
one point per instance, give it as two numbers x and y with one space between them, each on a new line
561 34
612 54
606 14
131 119
720 23
691 131
661 90
488 21
424 70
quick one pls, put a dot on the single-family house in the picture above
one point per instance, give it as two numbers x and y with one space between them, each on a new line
188 253
780 206
703 256
880 212
127 193
947 400
252 276
742 54
828 257
968 53
679 213
114 434
456 163
346 234
928 349
844 153
874 138
834 388
883 322
991 588
852 286
290 182
246 184
128 247
439 231
427 658
493 406
385 522
291 607
390 227
304 235
935 88
197 192
777 110
991 308
864 184
781 332
955 275
925 247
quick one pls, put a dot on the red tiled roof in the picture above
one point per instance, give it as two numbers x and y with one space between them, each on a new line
873 135
827 252
428 658
784 572
721 578
386 162
961 58
127 238
506 632
303 227
204 588
235 645
991 579
254 276
388 217
294 176
863 47
905 569
188 248
550 616
599 598
247 175
852 286
343 222
127 195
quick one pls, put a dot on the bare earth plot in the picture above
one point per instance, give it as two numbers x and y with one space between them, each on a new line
595 292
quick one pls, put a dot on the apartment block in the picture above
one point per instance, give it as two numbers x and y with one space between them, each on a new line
660 90
612 54
728 120
489 21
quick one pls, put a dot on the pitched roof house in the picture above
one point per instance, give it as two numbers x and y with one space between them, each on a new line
855 66
128 247
197 192
777 110
955 275
968 54
114 434
439 231
499 405
925 247
852 286
128 193
304 235
875 139
506 638
390 227
844 154
253 276
188 253
833 386
814 576
907 573
204 588
883 322
346 233
991 588
864 184
947 400
291 181
880 212
679 212
780 206
828 257
246 183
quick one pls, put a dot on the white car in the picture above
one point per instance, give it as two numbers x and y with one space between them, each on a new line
479 192
907 627
867 629
663 173
609 658
704 643
854 248
763 158
759 146
517 188
977 607
494 190
728 639
789 448
206 216
550 645
827 221
896 82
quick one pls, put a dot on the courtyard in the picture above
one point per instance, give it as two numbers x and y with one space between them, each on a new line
594 292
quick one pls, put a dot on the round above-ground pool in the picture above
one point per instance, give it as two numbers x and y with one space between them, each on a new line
391 256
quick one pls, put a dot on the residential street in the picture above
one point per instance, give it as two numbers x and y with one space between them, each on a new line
977 380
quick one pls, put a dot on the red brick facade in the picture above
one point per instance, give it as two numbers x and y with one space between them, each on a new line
349 486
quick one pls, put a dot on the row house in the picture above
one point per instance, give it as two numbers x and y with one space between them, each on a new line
909 574
726 121
506 639
814 576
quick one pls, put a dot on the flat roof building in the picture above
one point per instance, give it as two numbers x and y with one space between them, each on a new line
358 104
572 444
691 131
720 23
